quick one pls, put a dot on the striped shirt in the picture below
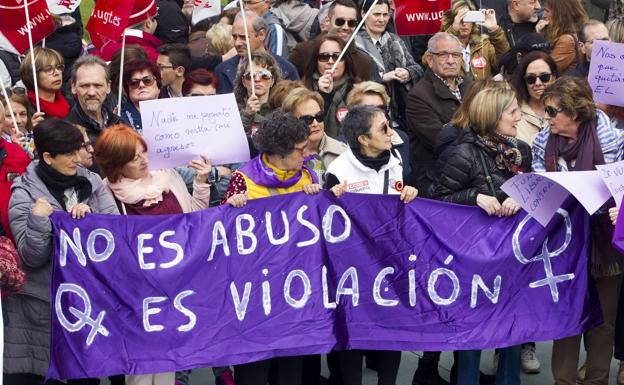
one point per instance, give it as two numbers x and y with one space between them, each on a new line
610 137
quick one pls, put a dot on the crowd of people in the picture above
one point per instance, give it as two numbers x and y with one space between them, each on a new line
449 116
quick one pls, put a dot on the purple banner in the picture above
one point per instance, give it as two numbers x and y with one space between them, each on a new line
306 274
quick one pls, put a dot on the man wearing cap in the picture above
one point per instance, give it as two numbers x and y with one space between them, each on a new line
342 20
257 29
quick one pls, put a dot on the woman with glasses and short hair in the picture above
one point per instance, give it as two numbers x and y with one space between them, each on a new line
49 65
309 107
577 138
333 86
536 71
141 81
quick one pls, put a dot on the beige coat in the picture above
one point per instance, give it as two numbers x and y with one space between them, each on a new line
530 125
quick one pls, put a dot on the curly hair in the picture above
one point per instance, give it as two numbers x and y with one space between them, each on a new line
259 59
279 134
567 17
575 97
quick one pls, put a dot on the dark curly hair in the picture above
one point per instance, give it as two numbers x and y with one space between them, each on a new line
279 134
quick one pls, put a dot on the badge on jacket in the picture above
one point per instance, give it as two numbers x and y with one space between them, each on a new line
479 62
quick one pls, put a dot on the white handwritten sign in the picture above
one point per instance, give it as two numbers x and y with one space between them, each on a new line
542 194
606 72
178 130
613 176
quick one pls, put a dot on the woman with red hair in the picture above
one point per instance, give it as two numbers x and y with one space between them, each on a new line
200 82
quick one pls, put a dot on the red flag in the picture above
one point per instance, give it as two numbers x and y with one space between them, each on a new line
419 17
111 17
13 22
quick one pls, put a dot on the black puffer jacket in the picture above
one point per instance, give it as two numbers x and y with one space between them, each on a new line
462 177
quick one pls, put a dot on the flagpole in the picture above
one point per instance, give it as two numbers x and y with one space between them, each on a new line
32 56
370 10
8 103
121 66
251 70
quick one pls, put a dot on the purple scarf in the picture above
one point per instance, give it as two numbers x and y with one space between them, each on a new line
585 149
263 175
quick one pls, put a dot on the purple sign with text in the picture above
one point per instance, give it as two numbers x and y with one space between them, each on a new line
606 72
308 274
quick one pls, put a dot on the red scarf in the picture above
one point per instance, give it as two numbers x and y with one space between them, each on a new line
58 108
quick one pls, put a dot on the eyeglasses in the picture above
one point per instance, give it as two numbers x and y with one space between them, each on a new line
301 149
552 111
148 81
308 119
48 70
324 57
446 55
162 67
262 74
87 145
544 78
593 40
199 94
339 22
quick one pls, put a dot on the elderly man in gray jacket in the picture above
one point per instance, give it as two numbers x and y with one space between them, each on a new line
55 183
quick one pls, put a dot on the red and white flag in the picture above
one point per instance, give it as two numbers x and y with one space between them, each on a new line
13 23
109 19
59 7
203 9
419 17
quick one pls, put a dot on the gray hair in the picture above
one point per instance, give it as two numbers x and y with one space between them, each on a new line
357 122
257 21
89 60
432 45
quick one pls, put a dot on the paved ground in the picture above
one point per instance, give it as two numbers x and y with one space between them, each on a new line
410 360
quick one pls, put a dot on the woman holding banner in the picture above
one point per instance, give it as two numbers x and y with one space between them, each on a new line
48 97
485 155
55 183
121 153
282 141
577 138
333 86
369 165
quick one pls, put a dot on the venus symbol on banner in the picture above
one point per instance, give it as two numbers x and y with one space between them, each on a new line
545 256
84 317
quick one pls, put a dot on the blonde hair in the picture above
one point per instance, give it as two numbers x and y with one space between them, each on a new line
298 96
362 89
43 57
449 16
219 37
487 107
616 30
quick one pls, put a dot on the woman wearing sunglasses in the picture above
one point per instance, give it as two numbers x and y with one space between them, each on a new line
577 138
141 81
308 106
50 66
536 71
333 86
255 108
369 166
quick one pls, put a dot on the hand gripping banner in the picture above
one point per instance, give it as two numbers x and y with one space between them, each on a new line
305 274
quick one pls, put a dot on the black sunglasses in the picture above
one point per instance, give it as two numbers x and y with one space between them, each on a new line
308 119
325 56
340 22
544 78
552 111
136 83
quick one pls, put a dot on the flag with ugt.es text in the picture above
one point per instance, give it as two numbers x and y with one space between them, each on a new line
13 23
419 17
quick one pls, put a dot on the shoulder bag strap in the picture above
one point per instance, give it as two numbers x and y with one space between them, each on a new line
488 177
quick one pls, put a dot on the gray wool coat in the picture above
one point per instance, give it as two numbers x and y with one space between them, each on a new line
27 327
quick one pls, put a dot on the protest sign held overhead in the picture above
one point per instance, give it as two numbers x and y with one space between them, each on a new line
178 130
308 274
606 72
13 23
419 17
